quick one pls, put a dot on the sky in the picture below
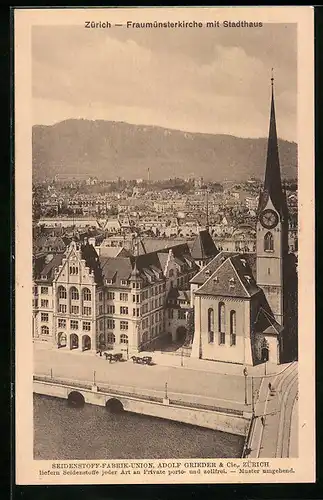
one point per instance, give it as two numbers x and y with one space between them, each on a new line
198 80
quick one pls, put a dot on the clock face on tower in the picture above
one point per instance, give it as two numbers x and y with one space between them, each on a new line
269 218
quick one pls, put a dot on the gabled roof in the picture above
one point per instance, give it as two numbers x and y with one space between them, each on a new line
232 278
266 323
46 270
203 246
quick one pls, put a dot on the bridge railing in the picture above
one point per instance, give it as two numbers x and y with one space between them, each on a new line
104 388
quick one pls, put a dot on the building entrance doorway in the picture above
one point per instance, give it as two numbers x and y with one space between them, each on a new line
61 340
181 334
86 343
74 341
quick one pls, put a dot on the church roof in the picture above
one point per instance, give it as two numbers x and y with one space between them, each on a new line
272 184
203 246
213 265
232 277
266 323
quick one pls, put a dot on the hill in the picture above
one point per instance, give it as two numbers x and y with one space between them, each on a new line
108 149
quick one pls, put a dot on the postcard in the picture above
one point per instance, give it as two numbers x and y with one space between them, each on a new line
164 294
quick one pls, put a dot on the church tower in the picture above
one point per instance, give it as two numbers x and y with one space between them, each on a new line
272 227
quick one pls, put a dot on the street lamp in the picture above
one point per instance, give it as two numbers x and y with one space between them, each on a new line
245 373
166 395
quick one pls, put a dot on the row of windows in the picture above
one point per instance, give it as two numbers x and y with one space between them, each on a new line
221 319
86 311
110 338
180 314
74 293
221 338
74 325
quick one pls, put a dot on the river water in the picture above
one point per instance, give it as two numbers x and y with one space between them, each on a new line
65 433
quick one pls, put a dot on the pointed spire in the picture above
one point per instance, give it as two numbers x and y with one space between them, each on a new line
273 184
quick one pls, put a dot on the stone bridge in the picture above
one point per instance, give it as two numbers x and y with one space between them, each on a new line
207 416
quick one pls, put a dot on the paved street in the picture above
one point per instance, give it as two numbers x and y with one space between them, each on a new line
183 383
275 432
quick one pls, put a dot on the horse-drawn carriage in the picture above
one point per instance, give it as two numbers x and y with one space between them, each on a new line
113 356
145 360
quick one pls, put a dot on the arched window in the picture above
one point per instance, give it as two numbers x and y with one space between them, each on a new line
74 293
233 327
210 325
221 323
44 330
111 338
86 294
62 292
123 339
210 320
268 242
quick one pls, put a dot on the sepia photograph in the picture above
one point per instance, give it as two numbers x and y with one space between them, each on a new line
164 180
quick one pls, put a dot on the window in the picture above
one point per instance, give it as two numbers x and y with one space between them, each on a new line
100 296
44 330
210 320
74 269
134 312
44 303
74 324
268 242
138 312
44 317
124 297
100 309
87 294
44 290
75 310
268 270
101 324
110 309
133 298
87 311
222 338
211 337
62 308
181 314
170 313
171 273
221 317
86 326
61 323
62 292
111 324
110 295
123 310
74 293
123 339
123 325
111 338
137 298
124 282
233 323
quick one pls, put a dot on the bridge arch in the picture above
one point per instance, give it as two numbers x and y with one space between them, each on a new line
114 405
75 398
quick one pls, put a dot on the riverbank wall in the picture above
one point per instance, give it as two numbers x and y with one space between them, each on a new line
225 420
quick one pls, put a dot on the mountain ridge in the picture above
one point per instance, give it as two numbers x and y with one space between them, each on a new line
109 149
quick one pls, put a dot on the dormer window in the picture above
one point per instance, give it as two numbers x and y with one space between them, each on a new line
243 262
216 279
207 272
109 282
248 279
124 282
232 282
